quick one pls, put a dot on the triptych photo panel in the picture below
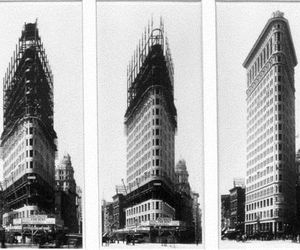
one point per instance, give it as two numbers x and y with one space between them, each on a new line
259 182
150 129
149 124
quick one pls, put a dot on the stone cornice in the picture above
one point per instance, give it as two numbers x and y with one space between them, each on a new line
262 36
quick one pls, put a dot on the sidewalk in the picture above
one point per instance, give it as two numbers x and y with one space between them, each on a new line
258 244
122 245
21 245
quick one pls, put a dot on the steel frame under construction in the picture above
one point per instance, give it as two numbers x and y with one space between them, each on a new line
150 83
151 65
28 117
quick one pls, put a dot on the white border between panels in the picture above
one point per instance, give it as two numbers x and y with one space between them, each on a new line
211 214
91 201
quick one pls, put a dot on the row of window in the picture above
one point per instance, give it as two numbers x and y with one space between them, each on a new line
259 194
138 121
255 91
263 144
261 215
259 174
136 152
146 217
259 184
135 144
263 57
157 172
147 206
135 123
261 103
263 120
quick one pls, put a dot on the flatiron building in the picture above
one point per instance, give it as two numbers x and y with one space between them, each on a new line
28 139
150 124
271 174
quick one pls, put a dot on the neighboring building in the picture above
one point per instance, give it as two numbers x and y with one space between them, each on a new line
225 212
79 208
199 229
196 217
182 177
28 139
65 194
150 123
271 173
298 167
237 206
119 204
239 182
108 213
64 175
185 201
297 227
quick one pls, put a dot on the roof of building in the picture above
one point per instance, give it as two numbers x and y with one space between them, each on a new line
65 162
275 17
180 166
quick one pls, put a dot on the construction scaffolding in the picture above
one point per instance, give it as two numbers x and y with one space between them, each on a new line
27 96
151 66
28 85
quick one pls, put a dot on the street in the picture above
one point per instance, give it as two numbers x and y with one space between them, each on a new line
251 244
152 246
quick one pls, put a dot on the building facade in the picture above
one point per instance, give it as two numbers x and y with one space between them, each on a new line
271 175
79 208
119 205
28 139
65 194
297 227
182 177
225 212
150 123
185 201
108 217
196 217
64 175
237 208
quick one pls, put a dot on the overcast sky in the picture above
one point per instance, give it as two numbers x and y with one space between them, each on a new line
238 27
61 33
120 26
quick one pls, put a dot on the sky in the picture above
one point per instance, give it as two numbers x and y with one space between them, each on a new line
60 29
238 27
119 27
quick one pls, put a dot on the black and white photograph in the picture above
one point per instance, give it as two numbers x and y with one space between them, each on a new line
41 124
258 44
150 116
